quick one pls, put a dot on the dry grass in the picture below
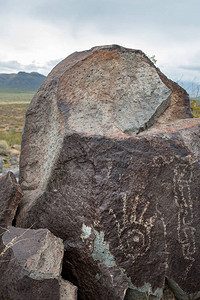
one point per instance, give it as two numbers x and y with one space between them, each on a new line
13 108
13 242
16 97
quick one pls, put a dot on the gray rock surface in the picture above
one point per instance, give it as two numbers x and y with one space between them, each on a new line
10 196
126 205
1 165
108 90
30 266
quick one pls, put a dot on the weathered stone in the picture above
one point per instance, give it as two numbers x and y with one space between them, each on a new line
1 165
10 196
167 293
126 206
141 295
30 266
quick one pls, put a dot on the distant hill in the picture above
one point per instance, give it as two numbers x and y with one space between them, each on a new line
21 81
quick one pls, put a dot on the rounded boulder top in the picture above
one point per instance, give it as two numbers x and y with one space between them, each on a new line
113 91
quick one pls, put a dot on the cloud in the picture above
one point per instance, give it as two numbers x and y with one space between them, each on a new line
113 16
45 30
153 19
10 65
190 68
15 66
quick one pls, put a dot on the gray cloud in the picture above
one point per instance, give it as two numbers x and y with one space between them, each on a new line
14 66
52 63
172 16
10 66
190 68
44 30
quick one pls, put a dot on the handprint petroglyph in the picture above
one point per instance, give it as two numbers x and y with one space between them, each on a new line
134 229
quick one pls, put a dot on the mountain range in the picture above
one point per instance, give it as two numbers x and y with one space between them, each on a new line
21 81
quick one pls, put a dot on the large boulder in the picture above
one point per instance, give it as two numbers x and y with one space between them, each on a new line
30 266
110 163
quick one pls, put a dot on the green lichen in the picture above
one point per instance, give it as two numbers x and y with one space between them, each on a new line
101 250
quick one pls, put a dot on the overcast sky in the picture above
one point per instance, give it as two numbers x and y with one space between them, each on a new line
36 34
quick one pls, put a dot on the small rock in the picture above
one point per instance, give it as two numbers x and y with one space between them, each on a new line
4 147
10 196
14 151
30 266
14 160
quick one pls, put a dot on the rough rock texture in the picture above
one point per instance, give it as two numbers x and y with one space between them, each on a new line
30 266
126 205
10 196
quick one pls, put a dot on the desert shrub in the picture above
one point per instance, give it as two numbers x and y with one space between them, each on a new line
195 106
4 148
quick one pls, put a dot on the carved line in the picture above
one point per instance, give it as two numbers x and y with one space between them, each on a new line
185 214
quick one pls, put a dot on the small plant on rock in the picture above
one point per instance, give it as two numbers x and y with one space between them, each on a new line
195 105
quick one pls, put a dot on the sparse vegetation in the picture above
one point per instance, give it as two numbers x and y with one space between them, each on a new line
153 59
13 108
195 105
15 97
13 242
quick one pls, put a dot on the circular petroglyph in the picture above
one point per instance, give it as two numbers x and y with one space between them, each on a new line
135 240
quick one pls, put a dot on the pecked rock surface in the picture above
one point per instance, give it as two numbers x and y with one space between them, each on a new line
110 164
30 266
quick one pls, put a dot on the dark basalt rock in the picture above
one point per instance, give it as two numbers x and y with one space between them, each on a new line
30 266
126 205
10 196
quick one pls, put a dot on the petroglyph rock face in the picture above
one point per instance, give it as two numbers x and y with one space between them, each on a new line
126 206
